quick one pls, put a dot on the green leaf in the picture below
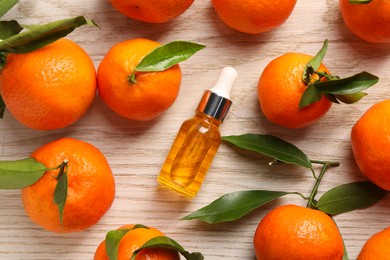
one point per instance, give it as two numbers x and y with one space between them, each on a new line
349 197
350 85
314 63
234 205
113 239
166 242
2 105
168 55
6 5
359 1
61 190
42 35
271 146
9 28
20 173
351 98
310 96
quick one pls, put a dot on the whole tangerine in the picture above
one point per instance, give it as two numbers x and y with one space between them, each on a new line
132 241
253 16
280 89
294 232
49 88
152 11
370 21
152 93
91 187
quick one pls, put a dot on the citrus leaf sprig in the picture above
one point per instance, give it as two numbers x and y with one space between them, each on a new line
113 238
61 189
40 35
19 174
232 206
347 90
165 56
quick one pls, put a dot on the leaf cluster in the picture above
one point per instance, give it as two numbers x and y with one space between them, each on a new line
114 237
232 206
338 200
319 83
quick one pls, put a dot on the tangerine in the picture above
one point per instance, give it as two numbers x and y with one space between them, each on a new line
280 89
133 240
91 187
376 247
253 16
151 11
152 93
295 232
370 139
368 21
49 88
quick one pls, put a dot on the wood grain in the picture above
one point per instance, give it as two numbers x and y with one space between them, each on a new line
136 151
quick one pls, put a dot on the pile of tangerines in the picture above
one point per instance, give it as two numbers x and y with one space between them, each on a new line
52 87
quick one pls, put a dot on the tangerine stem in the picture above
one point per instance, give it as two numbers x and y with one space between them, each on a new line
131 78
326 164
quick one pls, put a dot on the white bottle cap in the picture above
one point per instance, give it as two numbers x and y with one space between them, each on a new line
225 82
216 101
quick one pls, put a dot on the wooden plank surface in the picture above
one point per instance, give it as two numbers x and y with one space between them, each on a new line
136 150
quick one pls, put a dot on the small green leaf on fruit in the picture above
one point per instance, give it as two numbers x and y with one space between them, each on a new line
310 96
233 206
6 5
61 190
349 197
9 28
270 146
166 242
345 86
112 241
314 63
168 55
351 98
20 173
41 35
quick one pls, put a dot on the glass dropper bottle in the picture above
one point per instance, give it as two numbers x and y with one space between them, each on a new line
198 139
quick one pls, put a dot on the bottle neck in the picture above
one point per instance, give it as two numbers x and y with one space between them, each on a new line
214 105
207 118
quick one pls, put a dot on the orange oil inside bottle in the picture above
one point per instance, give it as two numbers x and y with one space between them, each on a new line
191 154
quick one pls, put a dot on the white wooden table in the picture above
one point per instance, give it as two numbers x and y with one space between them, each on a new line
136 150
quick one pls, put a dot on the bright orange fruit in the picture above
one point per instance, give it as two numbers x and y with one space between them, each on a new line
133 240
296 233
49 88
280 89
254 16
152 11
91 187
152 94
376 247
369 22
370 139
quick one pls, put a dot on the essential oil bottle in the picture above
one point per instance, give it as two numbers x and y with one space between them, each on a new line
198 139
